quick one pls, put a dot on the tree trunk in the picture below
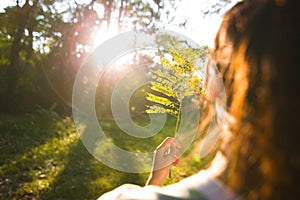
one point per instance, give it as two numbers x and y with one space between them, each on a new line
13 71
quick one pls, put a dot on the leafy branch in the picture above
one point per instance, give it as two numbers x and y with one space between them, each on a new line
175 78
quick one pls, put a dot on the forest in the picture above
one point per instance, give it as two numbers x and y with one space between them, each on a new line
43 44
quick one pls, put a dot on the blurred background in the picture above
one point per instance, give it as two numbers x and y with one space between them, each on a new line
43 43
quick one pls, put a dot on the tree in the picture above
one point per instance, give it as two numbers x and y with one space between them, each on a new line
48 40
17 30
217 7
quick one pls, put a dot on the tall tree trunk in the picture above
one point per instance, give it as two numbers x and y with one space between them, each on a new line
120 15
108 10
13 71
13 75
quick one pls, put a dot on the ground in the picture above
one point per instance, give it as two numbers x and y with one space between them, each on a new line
42 157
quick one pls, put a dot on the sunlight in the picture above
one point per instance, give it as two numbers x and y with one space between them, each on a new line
104 34
44 156
197 27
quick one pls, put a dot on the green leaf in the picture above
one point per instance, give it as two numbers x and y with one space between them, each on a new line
174 78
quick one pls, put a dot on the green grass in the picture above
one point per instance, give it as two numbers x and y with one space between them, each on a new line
42 157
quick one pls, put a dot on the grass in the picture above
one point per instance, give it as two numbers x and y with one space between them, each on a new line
42 157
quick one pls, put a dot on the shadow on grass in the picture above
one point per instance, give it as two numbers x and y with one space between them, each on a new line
56 165
30 154
84 177
19 134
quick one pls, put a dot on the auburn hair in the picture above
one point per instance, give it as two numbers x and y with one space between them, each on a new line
257 51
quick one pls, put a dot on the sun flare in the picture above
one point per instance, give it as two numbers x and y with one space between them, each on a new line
103 34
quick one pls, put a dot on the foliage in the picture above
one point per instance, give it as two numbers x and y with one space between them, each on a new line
43 43
216 7
176 77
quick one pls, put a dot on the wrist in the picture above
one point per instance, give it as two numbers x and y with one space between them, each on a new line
156 178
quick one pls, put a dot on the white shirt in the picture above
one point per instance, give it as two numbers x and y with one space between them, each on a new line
196 187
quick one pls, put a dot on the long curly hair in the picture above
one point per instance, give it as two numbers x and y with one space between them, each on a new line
256 50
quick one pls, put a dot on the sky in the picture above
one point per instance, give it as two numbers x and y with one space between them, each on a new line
5 3
198 28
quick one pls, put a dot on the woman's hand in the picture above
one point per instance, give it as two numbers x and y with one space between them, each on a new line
166 155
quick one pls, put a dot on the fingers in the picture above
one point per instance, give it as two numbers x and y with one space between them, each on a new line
169 141
176 163
167 153
175 147
165 142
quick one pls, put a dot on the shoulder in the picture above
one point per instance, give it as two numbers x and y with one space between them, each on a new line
201 185
198 187
130 191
